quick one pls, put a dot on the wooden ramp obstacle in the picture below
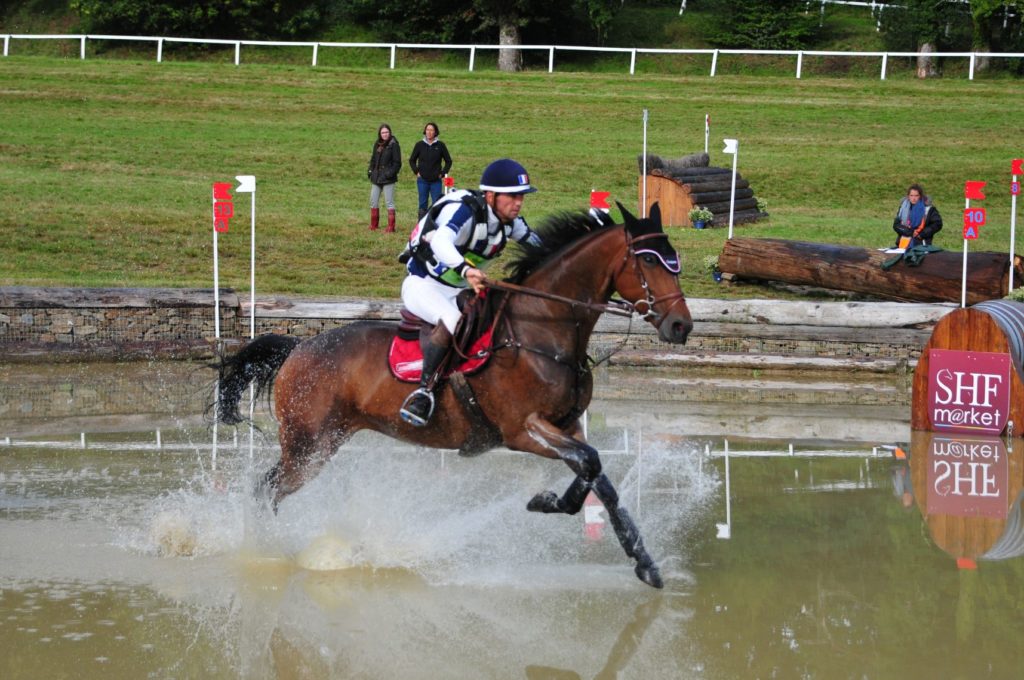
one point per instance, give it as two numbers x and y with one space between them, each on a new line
859 270
678 187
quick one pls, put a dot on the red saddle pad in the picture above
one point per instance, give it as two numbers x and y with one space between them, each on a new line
406 358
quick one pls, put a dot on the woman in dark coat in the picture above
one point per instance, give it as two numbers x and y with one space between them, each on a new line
430 162
385 163
917 220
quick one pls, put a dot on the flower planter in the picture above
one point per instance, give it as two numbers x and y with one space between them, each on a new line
717 276
698 224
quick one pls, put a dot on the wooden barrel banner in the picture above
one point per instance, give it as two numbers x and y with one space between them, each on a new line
969 377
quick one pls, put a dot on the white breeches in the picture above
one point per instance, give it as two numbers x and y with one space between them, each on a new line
431 301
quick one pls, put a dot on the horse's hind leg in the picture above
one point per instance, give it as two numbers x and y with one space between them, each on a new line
303 455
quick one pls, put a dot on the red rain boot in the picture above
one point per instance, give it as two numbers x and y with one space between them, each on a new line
374 219
391 221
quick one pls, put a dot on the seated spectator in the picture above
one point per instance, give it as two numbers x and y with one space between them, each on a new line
917 220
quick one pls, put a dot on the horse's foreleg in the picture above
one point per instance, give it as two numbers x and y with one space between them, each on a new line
627 532
547 440
302 458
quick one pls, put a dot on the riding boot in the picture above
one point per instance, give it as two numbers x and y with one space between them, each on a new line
391 221
419 406
374 219
420 213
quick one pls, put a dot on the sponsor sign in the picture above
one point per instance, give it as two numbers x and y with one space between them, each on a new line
968 392
968 477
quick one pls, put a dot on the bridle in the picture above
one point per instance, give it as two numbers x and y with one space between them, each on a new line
650 300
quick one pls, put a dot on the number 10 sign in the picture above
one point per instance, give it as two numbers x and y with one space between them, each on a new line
973 219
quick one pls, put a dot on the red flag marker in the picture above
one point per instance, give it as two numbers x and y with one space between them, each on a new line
448 181
1015 166
973 191
599 199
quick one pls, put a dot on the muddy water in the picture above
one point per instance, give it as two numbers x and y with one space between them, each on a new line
792 543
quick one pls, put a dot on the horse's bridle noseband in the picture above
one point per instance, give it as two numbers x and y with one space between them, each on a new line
650 300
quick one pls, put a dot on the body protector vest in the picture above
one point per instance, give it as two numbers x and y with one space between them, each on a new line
474 239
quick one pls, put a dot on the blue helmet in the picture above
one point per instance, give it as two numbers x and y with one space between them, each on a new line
505 176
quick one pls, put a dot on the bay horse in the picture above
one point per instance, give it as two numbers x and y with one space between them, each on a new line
530 395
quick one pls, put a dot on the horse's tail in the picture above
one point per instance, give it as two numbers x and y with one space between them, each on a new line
258 361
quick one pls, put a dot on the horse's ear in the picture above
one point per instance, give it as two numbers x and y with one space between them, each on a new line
655 215
627 217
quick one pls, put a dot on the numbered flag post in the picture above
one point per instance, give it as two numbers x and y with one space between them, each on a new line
448 183
707 130
599 202
1015 171
973 221
223 211
247 185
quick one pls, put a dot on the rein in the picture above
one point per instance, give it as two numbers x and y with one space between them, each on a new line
620 308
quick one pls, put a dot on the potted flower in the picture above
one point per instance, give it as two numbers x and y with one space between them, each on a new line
711 266
762 205
700 216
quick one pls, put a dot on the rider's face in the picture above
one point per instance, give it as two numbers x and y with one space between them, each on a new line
505 206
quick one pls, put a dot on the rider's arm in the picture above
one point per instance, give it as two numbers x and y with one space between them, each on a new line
450 222
522 233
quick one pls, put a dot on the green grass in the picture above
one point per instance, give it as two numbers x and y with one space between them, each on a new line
106 166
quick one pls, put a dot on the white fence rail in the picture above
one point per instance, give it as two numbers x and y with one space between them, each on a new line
393 48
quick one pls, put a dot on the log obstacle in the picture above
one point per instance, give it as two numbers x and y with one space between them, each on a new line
990 328
851 268
677 191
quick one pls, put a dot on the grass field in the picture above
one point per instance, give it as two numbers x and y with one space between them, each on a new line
106 165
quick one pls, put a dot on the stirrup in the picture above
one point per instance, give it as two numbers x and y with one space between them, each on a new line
418 407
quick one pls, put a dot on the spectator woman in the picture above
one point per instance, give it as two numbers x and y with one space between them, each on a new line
385 163
917 220
430 162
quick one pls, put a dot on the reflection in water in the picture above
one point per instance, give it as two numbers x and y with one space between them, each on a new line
126 557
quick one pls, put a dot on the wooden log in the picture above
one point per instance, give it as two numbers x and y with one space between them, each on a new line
724 185
29 297
741 217
721 209
707 171
704 197
855 269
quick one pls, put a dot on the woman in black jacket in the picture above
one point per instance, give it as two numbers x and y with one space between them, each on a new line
430 162
385 163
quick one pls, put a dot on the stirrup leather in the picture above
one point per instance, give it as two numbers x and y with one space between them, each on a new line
418 407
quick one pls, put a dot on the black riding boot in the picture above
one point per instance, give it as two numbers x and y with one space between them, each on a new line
419 406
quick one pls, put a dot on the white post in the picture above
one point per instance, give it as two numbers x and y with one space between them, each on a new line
732 146
393 50
963 276
643 200
970 75
725 530
316 51
632 62
1013 227
714 63
83 440
7 44
81 48
159 444
800 62
216 274
247 185
707 130
159 50
551 59
885 61
472 57
238 52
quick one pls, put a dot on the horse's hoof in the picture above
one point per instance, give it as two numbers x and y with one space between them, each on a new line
545 501
650 575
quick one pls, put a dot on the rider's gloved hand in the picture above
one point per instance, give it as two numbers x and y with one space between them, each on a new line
476 278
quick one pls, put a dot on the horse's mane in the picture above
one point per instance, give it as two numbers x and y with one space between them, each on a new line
557 232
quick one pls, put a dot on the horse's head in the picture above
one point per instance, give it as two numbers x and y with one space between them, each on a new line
649 277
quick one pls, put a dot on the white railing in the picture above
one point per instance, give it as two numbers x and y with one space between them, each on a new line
550 49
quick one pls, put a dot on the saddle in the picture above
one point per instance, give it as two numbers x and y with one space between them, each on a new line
472 342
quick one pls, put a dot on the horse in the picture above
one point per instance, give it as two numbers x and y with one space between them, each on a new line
530 395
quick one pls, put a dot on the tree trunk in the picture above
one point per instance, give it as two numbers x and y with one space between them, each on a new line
509 60
936 279
926 62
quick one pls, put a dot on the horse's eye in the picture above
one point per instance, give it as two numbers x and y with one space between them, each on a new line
650 259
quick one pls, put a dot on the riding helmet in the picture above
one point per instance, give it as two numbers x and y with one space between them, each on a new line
505 176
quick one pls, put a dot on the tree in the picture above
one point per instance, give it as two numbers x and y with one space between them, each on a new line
229 19
761 24
922 26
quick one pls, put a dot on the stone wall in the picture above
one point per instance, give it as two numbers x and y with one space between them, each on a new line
125 323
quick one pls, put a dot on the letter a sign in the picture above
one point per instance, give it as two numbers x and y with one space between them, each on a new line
968 392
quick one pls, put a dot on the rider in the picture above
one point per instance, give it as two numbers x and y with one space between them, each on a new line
454 240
